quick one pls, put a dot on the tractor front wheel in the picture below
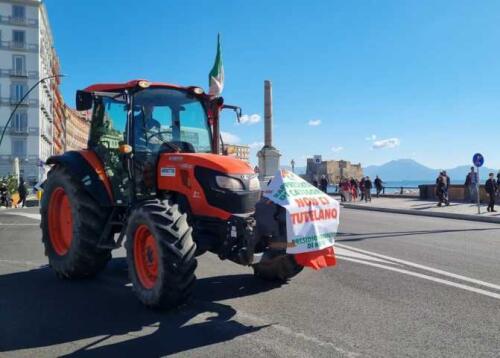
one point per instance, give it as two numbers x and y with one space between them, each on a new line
71 225
281 268
160 254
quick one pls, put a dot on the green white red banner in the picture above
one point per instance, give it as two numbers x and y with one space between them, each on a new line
312 217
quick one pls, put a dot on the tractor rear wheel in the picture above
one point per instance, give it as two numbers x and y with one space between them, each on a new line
160 254
71 225
281 268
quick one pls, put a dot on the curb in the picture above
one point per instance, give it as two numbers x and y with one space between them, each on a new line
487 219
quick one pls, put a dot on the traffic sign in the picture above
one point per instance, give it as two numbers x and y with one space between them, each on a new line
478 160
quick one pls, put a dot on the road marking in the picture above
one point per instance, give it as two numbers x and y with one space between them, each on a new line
27 215
430 278
342 252
423 267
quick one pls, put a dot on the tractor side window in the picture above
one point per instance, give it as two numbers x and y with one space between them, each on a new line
108 132
194 127
114 121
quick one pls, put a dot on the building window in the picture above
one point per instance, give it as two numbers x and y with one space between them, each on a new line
18 91
18 38
19 147
19 65
18 12
20 122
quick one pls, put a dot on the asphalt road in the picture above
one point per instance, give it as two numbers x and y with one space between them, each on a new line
403 286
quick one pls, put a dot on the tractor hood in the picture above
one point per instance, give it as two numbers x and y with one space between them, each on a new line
220 163
195 176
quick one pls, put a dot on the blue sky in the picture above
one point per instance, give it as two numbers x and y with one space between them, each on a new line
366 81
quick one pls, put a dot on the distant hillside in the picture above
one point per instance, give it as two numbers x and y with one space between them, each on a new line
408 169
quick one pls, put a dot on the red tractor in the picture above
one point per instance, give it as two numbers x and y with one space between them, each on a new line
152 175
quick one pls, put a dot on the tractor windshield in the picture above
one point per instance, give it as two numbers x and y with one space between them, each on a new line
165 116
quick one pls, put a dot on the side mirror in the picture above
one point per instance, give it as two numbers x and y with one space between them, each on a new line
83 100
236 110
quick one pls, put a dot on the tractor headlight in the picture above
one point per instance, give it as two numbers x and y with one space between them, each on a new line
229 183
254 184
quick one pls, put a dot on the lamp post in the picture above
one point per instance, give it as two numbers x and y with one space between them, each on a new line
21 101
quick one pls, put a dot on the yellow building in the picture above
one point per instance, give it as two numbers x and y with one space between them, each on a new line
239 151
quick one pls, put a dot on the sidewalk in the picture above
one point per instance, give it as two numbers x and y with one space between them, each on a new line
414 206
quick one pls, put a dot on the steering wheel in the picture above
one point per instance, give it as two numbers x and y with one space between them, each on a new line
157 134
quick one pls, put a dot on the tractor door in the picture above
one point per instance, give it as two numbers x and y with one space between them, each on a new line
108 132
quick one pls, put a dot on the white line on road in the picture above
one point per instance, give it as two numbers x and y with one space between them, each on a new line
27 215
430 278
423 267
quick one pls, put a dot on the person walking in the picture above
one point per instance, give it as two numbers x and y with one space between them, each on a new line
354 189
362 189
446 188
379 185
23 192
491 188
368 189
323 184
471 182
441 189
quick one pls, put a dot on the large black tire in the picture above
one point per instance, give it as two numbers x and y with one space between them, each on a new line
281 268
171 251
81 258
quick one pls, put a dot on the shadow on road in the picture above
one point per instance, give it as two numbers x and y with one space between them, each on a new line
39 310
344 236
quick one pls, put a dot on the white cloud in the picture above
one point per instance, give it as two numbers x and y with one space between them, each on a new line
337 149
372 137
386 143
256 145
314 122
230 138
249 119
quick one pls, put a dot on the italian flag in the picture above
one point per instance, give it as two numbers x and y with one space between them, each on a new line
216 75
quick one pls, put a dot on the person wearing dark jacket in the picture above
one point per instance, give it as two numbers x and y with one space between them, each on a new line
368 189
491 188
323 184
379 185
442 183
23 192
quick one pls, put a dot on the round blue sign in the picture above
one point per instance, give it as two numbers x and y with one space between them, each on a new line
478 160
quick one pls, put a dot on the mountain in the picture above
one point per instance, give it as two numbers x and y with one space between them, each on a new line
408 169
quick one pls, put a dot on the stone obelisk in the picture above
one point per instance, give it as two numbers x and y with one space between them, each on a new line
269 156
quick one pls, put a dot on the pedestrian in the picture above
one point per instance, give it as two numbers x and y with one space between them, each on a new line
354 189
23 192
446 188
471 182
362 188
315 182
368 189
379 185
491 188
341 190
323 183
441 189
4 195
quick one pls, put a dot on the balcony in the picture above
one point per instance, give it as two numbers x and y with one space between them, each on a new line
18 131
18 21
22 74
27 101
18 46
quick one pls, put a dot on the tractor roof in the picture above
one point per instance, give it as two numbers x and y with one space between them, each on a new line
104 87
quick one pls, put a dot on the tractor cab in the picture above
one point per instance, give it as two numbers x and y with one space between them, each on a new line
134 122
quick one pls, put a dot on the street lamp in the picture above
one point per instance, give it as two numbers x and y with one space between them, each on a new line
21 101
